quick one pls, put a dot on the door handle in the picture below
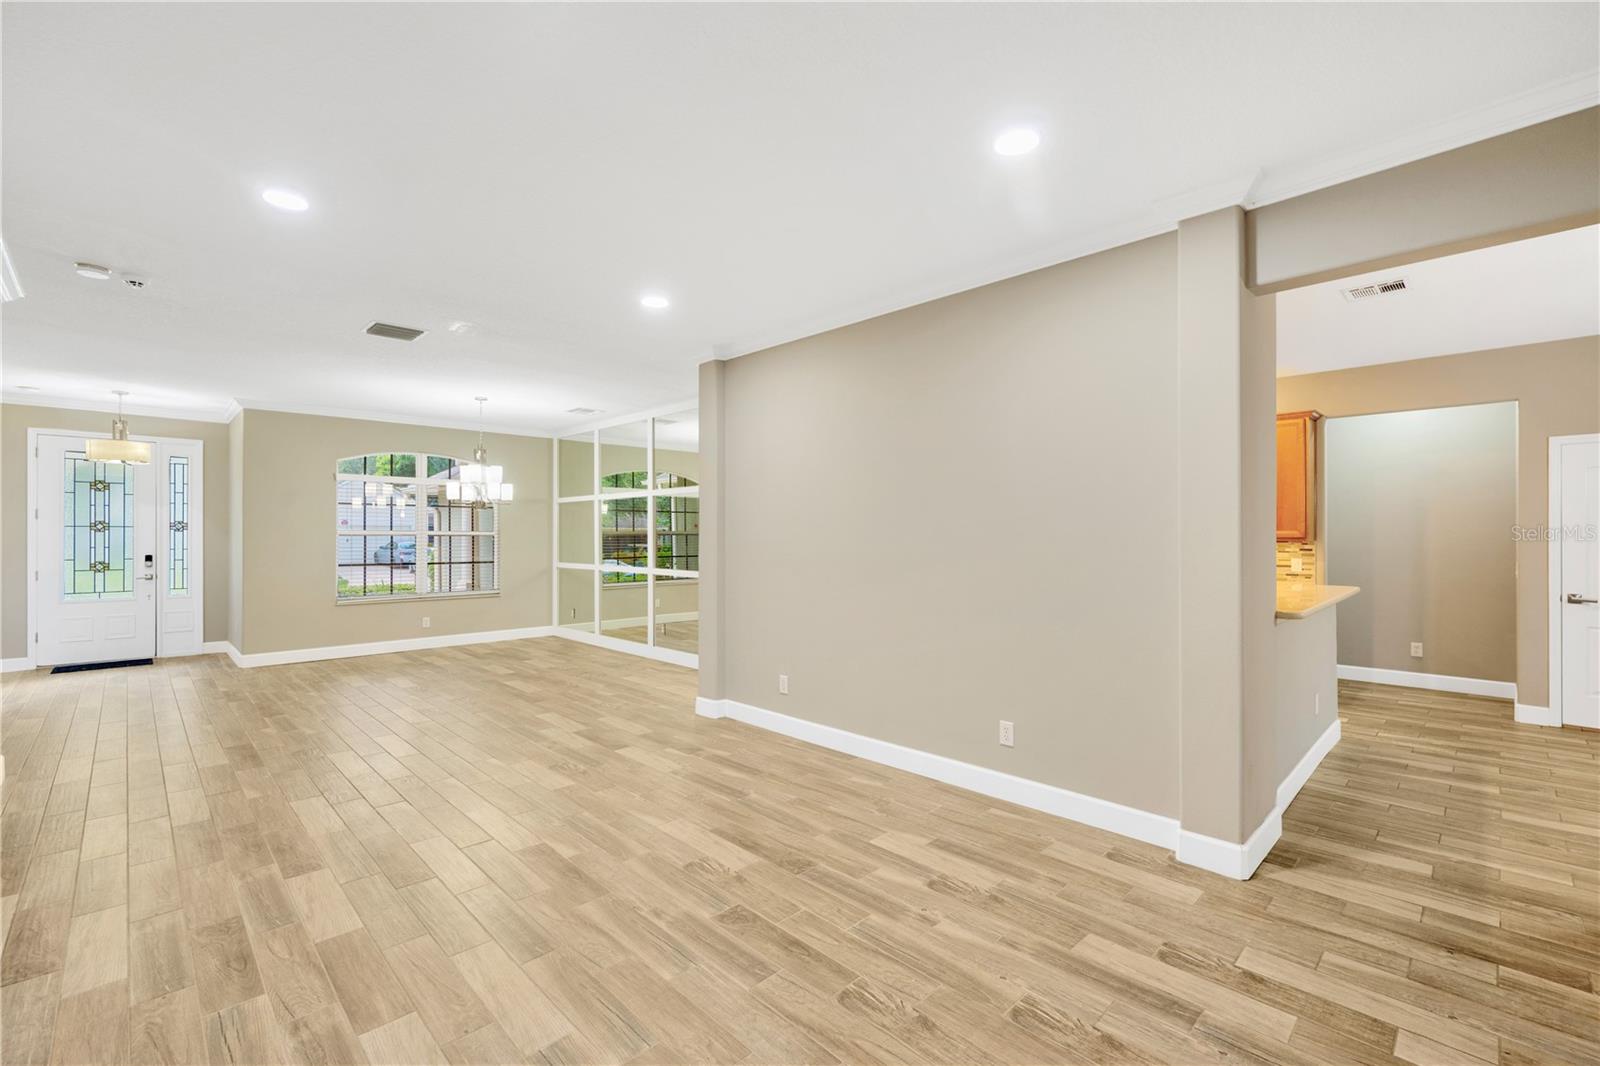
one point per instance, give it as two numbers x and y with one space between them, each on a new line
1573 597
147 577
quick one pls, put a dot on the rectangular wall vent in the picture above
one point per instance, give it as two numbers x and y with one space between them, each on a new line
393 332
1381 288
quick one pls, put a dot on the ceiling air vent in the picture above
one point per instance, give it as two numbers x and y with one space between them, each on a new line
1381 288
583 410
393 332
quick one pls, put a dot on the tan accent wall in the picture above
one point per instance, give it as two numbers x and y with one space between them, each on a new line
15 421
1305 698
1538 179
960 513
1556 386
289 527
1420 506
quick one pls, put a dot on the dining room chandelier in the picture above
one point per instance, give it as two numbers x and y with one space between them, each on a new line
480 484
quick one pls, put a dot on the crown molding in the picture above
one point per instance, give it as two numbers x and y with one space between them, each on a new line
393 418
226 413
1540 104
79 403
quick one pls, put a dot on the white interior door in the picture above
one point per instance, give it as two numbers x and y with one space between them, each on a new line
1579 584
96 557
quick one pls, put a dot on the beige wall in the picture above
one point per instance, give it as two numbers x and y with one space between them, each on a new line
992 480
1557 389
15 421
287 584
1419 507
1538 179
1305 699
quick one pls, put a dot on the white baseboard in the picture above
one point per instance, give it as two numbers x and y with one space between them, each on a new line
1467 686
629 647
8 666
1291 786
381 647
215 647
1237 861
1063 803
1528 714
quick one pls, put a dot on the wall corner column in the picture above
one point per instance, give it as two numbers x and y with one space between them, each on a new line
713 466
1226 568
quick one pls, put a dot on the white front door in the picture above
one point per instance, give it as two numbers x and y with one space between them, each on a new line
96 562
1579 583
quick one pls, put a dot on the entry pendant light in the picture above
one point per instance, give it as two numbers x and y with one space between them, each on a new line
119 449
480 484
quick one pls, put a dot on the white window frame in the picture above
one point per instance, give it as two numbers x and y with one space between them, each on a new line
419 485
589 436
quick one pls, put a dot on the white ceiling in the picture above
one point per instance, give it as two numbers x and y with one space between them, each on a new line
776 169
1541 289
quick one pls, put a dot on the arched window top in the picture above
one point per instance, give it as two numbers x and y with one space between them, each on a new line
638 479
409 465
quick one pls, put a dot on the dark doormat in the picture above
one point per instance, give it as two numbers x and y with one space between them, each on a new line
75 667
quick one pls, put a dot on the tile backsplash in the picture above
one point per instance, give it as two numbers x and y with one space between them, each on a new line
1306 552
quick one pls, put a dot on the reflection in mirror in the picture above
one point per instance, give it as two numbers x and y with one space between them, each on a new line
575 601
575 465
623 600
624 535
575 542
678 614
623 457
677 449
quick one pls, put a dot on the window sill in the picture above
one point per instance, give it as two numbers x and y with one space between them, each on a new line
414 598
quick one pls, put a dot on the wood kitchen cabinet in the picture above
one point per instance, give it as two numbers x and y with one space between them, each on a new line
1297 475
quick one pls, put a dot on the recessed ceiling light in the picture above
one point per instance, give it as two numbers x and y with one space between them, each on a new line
462 327
654 301
285 199
1018 141
90 270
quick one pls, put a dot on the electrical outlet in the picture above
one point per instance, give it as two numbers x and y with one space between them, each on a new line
783 684
1316 705
1297 565
1416 649
1008 736
658 603
427 623
572 614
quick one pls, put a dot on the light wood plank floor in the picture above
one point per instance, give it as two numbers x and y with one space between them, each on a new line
533 852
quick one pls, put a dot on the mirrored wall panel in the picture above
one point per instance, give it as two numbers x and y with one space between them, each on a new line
575 535
575 599
575 465
624 607
677 614
624 463
644 511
